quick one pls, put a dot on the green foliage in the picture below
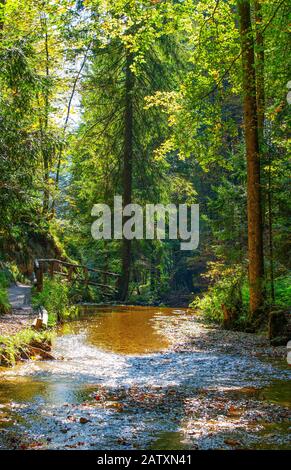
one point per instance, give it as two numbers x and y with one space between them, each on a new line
16 347
79 293
283 291
282 287
144 295
4 301
14 273
225 292
245 291
62 128
55 298
4 283
231 289
4 279
9 274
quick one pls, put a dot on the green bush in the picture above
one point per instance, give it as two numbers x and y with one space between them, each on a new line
225 291
230 288
16 347
245 292
283 291
9 273
55 298
79 293
15 274
282 287
144 295
4 302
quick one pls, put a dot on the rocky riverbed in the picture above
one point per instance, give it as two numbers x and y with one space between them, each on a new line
148 378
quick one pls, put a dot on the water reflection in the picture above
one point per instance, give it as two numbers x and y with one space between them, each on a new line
123 330
22 389
115 367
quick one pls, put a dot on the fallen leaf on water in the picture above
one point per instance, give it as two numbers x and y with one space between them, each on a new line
231 442
35 444
121 441
233 411
23 446
64 430
84 420
117 406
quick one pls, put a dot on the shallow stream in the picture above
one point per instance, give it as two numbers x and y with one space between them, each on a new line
120 381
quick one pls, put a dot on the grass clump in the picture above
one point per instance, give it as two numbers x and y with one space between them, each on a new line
224 295
23 345
228 294
55 298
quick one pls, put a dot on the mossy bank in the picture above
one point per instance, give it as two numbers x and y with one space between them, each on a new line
24 345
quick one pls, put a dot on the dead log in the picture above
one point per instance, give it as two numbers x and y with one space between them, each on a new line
33 351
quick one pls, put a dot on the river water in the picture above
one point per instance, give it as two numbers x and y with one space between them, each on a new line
123 380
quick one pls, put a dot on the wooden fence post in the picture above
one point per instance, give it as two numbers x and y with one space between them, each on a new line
70 273
86 275
52 265
38 275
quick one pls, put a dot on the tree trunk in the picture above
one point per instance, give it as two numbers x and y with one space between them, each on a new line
127 173
45 152
260 65
260 75
46 195
270 228
255 235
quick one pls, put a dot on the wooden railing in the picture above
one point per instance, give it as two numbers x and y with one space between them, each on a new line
74 273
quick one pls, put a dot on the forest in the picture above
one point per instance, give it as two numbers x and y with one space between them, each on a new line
163 102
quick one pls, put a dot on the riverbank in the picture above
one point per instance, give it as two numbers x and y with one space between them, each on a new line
11 323
147 378
190 335
18 340
196 335
23 345
190 332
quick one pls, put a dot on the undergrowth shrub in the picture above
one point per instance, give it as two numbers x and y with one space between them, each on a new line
229 291
4 301
55 298
282 287
223 295
283 291
16 347
81 293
